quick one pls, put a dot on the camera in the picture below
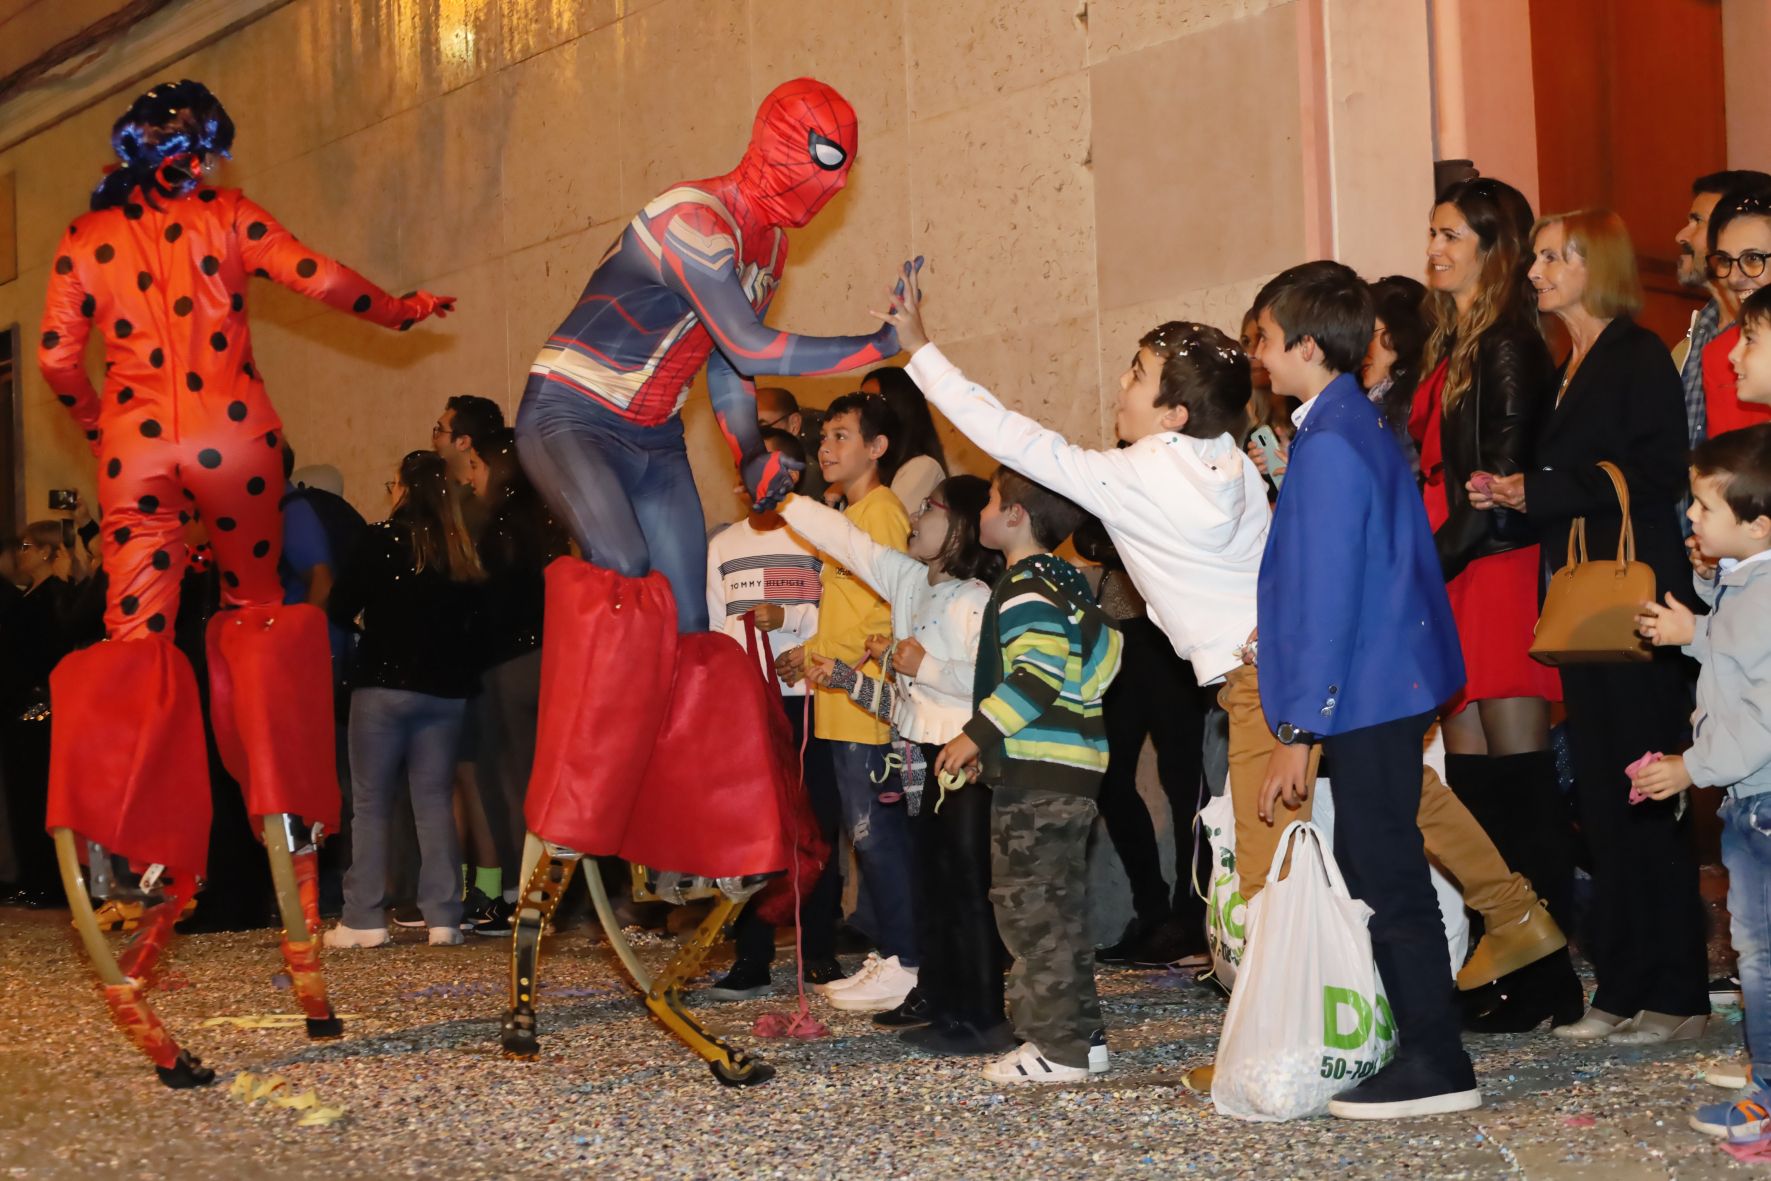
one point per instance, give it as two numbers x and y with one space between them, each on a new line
63 500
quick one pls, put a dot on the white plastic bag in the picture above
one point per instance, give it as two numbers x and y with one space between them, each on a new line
1309 1018
1225 908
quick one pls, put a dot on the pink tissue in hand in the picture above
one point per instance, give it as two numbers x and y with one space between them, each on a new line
1483 482
800 1025
1635 769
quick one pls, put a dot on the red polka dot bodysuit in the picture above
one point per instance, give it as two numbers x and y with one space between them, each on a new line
183 428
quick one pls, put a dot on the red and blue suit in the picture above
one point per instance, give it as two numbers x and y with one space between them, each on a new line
643 709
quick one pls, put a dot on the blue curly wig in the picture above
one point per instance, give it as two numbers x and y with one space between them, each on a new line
158 138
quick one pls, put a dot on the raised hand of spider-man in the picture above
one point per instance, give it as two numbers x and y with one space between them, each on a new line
770 476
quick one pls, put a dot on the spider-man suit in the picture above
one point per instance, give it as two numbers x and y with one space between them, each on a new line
183 429
686 284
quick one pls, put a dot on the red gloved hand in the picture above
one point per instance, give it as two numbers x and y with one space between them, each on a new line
422 305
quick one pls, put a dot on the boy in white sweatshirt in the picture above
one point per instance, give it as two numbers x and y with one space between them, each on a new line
1187 512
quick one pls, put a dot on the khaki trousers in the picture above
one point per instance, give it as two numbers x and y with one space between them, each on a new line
1454 841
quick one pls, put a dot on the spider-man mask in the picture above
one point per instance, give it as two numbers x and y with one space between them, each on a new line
801 149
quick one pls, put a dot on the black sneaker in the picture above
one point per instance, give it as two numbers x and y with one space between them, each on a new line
408 916
960 1038
912 1010
1129 940
824 971
495 920
474 907
746 981
1408 1088
1174 943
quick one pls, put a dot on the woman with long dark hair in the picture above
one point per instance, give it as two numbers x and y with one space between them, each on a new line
1488 382
1618 400
518 539
1392 367
415 584
917 461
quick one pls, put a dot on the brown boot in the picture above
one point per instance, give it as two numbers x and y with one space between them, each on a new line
1507 949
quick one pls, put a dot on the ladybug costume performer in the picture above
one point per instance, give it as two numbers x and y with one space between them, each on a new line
641 725
183 429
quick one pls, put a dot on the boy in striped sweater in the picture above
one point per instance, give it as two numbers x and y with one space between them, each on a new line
1046 656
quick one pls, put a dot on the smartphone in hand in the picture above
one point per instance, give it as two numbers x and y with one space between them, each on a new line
1264 437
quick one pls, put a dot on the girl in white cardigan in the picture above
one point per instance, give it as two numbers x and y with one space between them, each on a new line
938 591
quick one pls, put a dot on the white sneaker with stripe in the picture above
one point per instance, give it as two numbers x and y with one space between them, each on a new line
1025 1064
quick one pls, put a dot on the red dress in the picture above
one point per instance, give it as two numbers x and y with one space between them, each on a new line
1494 598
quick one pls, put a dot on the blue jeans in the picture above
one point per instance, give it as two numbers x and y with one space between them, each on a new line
393 730
624 491
1746 851
881 836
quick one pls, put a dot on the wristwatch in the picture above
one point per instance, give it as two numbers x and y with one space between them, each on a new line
1290 735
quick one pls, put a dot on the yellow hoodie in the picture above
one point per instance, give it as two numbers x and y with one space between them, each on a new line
848 613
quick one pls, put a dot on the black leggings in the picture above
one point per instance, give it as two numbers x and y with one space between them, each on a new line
962 955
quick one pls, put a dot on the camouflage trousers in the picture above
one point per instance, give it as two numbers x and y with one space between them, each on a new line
1039 887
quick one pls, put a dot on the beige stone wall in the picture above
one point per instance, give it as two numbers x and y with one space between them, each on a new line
1074 170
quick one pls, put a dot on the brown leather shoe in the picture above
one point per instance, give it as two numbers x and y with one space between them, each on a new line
1507 949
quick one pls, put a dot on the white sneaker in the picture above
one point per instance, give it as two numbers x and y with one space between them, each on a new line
864 972
445 936
343 936
885 988
1025 1064
1098 1059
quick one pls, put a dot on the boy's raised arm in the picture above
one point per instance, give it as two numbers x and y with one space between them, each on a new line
1090 478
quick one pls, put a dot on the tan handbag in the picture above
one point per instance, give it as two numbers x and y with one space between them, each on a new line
1589 611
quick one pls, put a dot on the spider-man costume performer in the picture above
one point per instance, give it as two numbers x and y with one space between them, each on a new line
160 267
643 728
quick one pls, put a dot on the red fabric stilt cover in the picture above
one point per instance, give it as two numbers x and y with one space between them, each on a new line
270 698
128 767
607 656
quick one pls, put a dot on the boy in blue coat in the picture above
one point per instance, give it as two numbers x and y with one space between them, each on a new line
1357 650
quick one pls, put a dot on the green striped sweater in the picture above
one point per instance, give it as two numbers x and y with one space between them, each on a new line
1045 657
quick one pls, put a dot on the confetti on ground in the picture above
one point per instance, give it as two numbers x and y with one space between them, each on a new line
429 1093
269 1020
250 1089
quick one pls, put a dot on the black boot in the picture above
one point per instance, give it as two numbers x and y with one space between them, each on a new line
1539 828
1546 990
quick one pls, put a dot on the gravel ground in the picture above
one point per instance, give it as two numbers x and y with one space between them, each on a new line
427 1093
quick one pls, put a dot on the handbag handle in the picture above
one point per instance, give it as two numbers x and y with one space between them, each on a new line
1626 535
1309 831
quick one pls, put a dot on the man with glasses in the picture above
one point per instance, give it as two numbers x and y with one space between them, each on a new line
465 418
778 410
1739 247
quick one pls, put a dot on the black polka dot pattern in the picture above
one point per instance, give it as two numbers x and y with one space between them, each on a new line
260 548
162 560
249 371
88 306
306 268
65 399
182 306
105 253
124 395
193 382
174 232
150 429
114 468
362 304
261 273
156 622
255 486
124 328
225 524
229 577
157 358
209 457
270 440
148 504
206 196
143 281
406 325
237 302
237 410
51 339
130 604
256 230
219 342
133 211
64 265
121 536
211 264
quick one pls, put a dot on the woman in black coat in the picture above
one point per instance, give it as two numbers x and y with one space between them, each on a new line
1619 399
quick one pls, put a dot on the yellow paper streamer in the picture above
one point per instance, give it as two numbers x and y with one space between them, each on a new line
249 1088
